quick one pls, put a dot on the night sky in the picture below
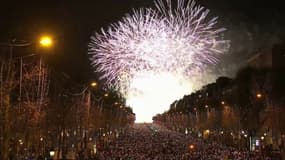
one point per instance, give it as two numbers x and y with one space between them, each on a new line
252 25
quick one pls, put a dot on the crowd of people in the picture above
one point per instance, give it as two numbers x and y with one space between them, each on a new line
153 142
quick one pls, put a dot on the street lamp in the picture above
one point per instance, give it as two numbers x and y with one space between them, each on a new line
52 153
88 105
93 84
46 41
191 147
207 131
258 95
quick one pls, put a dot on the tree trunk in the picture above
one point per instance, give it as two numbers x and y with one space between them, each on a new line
59 145
6 128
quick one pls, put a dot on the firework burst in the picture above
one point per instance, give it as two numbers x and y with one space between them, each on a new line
178 39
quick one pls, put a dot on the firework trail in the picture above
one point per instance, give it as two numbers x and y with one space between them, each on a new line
179 39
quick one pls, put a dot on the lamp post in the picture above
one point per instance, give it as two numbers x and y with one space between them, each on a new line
44 42
87 99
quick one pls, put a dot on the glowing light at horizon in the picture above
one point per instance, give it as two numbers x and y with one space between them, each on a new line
153 51
151 93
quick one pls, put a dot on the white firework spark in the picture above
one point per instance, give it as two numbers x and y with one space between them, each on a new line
178 39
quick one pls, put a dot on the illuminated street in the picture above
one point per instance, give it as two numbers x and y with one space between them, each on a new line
152 142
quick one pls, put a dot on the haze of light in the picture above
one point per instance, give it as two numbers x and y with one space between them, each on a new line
152 93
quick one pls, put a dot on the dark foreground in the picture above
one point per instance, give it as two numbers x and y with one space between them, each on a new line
152 142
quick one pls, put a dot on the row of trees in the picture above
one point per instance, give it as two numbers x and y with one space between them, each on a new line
82 118
39 110
252 104
23 94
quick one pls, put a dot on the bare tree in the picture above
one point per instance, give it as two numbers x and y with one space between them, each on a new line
8 83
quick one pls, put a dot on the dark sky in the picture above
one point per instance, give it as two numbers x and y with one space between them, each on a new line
251 25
